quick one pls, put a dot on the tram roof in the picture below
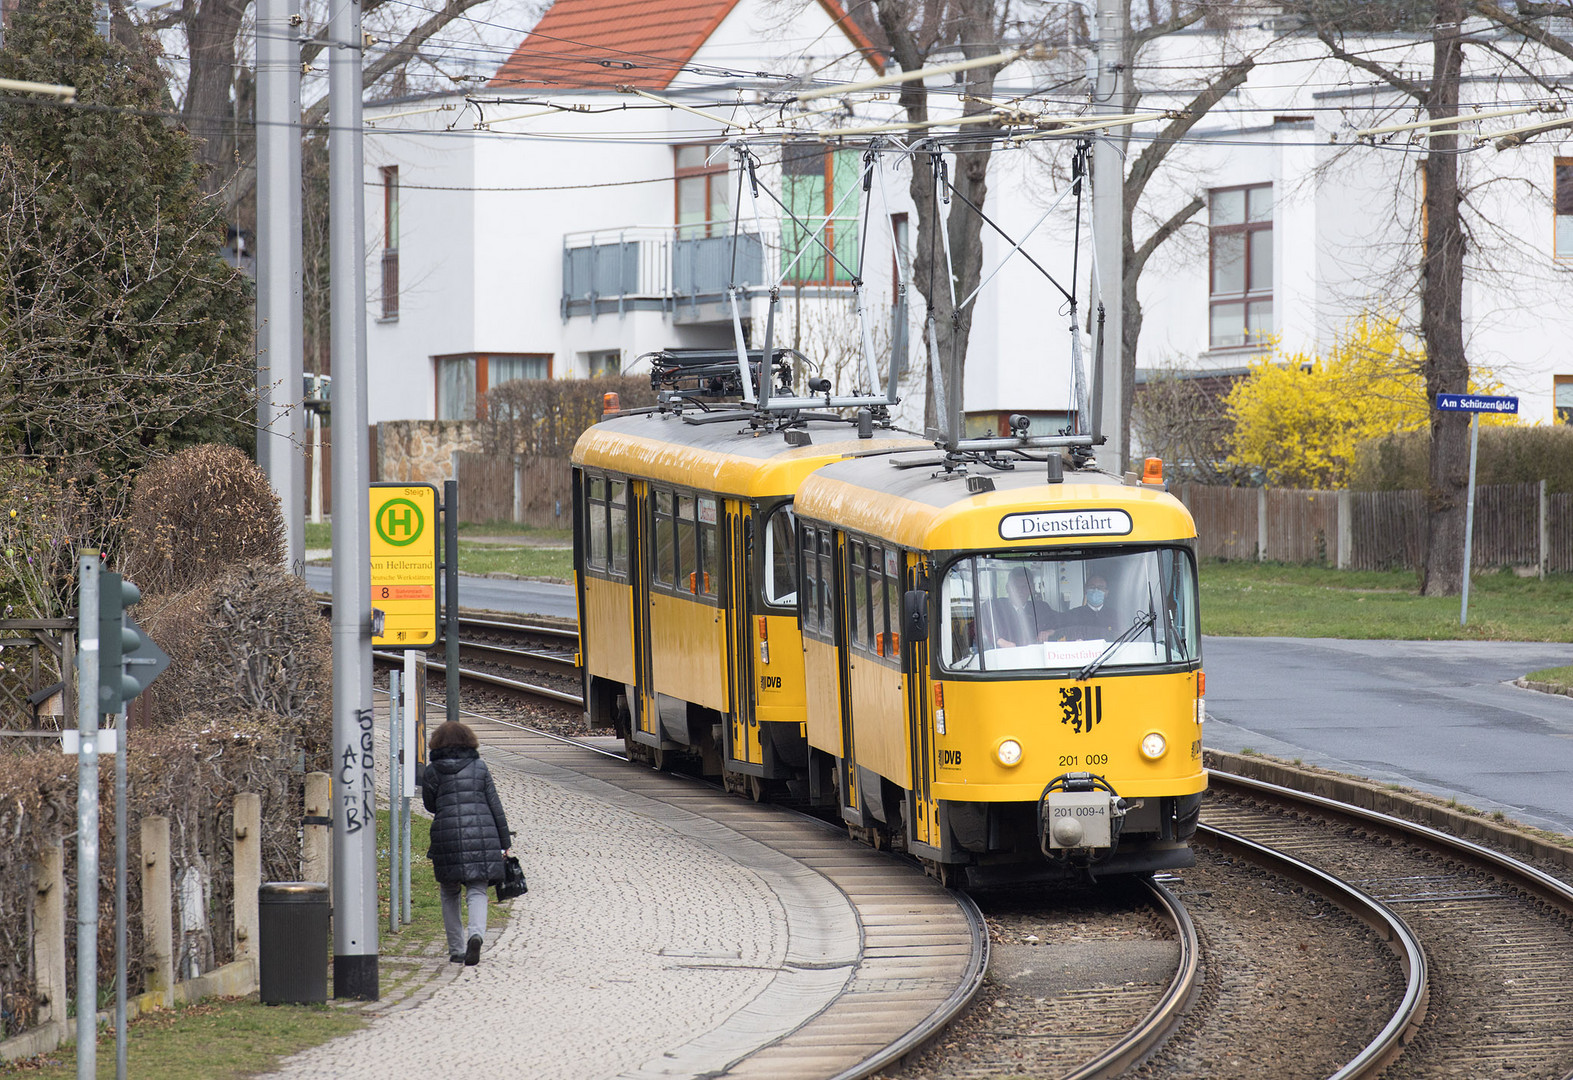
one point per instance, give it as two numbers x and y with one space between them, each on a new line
919 507
726 456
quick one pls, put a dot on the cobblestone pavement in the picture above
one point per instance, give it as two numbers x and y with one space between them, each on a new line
633 941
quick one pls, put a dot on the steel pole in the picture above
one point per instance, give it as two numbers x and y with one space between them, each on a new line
122 729
450 594
1469 515
395 794
354 817
1108 223
281 428
87 816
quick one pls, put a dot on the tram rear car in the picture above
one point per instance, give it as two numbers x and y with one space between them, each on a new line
1003 675
685 563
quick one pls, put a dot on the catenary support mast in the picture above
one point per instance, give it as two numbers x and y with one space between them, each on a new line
354 802
281 429
1108 214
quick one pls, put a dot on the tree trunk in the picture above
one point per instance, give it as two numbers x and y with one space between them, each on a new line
210 108
1442 321
964 228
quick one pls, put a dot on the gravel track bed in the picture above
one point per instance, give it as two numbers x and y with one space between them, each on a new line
1501 1003
1070 972
1291 985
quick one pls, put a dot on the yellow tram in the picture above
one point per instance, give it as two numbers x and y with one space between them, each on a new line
686 563
1003 670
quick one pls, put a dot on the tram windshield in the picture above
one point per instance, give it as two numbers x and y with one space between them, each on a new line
1064 612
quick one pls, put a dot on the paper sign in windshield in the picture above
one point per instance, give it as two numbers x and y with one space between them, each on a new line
1053 524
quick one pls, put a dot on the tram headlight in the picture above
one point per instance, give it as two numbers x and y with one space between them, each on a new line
1154 745
1009 752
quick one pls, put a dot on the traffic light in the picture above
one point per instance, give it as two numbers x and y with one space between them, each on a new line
128 660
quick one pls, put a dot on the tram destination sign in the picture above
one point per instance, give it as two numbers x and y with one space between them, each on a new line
1476 403
404 564
1051 524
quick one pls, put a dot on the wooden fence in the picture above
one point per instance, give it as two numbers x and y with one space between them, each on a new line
530 491
1515 525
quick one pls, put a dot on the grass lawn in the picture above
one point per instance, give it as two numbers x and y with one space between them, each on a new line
1557 676
1248 599
485 548
231 1038
535 562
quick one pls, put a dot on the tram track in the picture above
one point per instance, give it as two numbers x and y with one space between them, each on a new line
1485 941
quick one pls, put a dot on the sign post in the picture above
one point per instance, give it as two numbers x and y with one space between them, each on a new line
1474 404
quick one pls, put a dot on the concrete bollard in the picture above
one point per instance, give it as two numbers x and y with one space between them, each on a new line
248 872
49 935
158 946
317 833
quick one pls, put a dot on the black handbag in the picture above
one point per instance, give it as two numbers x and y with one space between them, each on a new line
512 883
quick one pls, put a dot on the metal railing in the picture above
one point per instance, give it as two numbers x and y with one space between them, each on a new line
666 267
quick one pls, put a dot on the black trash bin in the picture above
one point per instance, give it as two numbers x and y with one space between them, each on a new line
292 954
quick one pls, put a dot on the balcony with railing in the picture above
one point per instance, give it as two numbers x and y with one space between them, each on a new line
685 270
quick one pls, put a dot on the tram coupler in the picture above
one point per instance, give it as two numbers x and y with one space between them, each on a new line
1079 812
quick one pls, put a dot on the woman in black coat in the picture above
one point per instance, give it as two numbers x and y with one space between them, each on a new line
469 834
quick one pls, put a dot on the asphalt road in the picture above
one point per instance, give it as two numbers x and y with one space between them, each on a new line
488 594
1439 716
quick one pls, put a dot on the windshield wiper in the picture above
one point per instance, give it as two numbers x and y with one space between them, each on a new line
1143 621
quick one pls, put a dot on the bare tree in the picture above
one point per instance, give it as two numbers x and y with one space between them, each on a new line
1214 86
916 30
1445 244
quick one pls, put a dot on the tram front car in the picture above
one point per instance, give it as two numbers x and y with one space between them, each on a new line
1049 724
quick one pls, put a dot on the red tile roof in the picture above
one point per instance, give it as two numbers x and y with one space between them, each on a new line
610 43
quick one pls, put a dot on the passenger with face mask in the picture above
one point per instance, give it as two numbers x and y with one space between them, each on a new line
1095 618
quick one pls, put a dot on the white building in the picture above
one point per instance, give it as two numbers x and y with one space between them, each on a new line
557 225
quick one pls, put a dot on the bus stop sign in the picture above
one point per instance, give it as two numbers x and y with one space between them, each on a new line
404 564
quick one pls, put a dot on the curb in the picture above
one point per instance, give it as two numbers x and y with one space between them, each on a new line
1544 687
1398 803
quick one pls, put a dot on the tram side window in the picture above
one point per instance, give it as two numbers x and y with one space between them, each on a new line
876 600
889 645
858 600
958 637
595 531
780 558
687 571
809 596
663 537
618 503
708 548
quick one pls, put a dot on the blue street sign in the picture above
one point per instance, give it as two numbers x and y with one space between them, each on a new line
1476 403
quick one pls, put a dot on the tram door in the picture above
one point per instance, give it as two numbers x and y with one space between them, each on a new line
920 739
743 725
642 703
842 591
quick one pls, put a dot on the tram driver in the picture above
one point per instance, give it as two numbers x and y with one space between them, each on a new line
1095 618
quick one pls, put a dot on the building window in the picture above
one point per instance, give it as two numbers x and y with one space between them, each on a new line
603 364
1563 174
462 381
704 206
817 184
1562 399
390 242
1241 249
456 387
